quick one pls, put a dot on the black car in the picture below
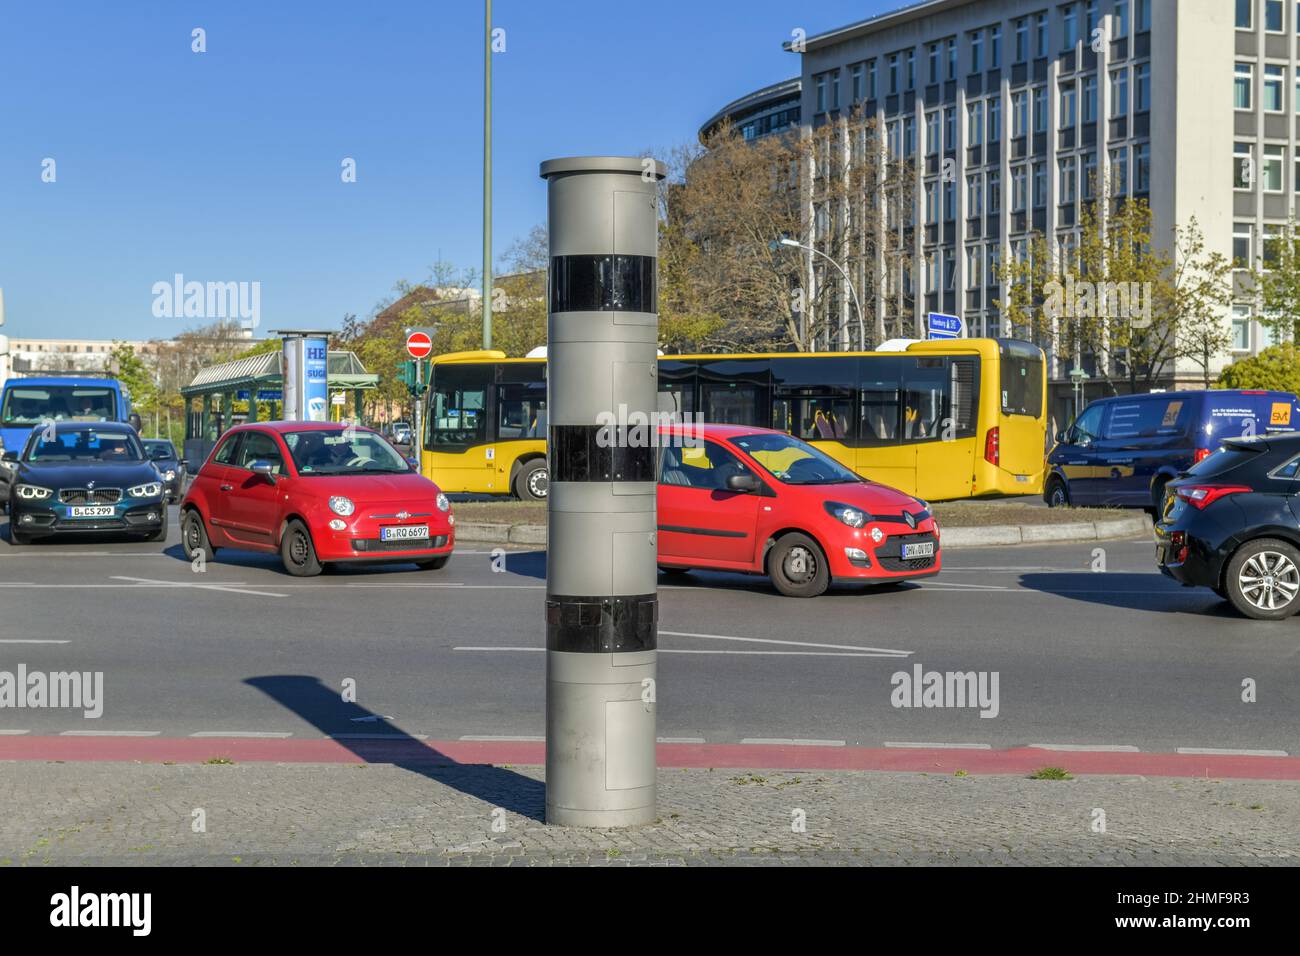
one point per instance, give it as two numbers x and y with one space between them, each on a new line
1232 523
77 477
170 465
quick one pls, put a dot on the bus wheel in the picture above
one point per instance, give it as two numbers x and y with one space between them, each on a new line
1057 496
797 567
533 480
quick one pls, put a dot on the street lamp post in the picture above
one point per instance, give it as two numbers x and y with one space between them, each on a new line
862 329
487 176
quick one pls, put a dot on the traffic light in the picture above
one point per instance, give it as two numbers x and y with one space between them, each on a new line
406 372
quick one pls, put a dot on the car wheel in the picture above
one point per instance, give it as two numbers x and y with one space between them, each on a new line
1263 579
797 566
297 551
433 564
533 481
194 537
1058 496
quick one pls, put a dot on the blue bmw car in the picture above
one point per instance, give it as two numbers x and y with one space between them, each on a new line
78 477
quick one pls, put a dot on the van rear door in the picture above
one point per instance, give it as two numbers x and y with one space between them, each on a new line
1236 413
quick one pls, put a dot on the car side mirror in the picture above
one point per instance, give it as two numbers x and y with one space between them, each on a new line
134 420
185 463
263 468
746 483
1062 438
9 456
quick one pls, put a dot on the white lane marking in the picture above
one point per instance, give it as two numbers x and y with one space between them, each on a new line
391 736
231 588
13 733
770 640
24 640
907 745
507 737
679 740
277 734
958 584
1089 748
110 733
792 742
1227 752
87 554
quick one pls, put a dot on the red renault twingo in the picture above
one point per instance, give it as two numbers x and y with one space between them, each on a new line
315 492
761 501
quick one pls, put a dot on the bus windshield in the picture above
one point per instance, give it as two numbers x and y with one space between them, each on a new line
33 404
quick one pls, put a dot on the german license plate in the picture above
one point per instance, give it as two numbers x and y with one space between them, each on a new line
90 511
408 532
924 549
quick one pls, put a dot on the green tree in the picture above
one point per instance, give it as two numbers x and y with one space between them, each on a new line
131 370
1275 279
1277 368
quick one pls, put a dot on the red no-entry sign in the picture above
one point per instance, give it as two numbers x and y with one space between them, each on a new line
419 345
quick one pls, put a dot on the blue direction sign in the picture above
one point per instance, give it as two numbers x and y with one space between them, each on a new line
263 395
944 326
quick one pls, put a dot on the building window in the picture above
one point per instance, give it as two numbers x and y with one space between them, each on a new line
894 139
932 133
1040 185
1022 39
1272 168
1040 33
1018 181
909 137
950 129
1069 27
1068 181
1019 114
1121 19
1088 185
871 79
1142 88
994 259
1040 110
973 270
934 63
835 90
1067 106
1119 171
931 202
1090 17
949 268
1273 16
977 51
1245 8
1243 80
949 201
1272 245
855 80
1142 168
1119 93
893 73
975 124
911 69
995 192
1241 328
1274 79
1090 99
1295 181
995 47
995 119
1142 15
974 196
952 58
821 93
1243 165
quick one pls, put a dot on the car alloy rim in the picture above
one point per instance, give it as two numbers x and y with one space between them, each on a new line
800 566
1269 580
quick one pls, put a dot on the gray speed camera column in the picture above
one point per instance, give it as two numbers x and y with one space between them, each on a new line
601 603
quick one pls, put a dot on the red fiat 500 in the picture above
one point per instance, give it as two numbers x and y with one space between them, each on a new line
315 492
755 500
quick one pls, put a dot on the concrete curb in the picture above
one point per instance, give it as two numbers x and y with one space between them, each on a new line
991 536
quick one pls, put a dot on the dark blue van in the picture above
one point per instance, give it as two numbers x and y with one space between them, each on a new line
1122 450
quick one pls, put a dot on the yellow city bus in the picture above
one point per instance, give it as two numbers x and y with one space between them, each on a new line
941 419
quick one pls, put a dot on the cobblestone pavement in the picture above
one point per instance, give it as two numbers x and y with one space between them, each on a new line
312 814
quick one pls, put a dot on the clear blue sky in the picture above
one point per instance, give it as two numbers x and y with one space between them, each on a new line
224 166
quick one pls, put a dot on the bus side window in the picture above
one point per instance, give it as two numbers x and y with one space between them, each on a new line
879 403
521 411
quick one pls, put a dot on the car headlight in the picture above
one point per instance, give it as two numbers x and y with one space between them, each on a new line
847 514
33 492
342 506
443 503
150 489
170 474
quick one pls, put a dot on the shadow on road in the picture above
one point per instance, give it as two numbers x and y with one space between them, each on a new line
325 709
1130 590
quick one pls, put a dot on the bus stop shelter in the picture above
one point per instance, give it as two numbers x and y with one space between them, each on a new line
256 379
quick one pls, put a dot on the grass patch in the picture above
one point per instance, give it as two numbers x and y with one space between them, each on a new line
219 761
1051 773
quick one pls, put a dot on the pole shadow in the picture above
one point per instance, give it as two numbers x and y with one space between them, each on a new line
323 707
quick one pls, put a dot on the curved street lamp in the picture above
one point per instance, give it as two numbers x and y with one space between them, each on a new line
862 329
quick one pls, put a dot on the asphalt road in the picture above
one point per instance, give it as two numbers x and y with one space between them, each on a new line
1115 658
